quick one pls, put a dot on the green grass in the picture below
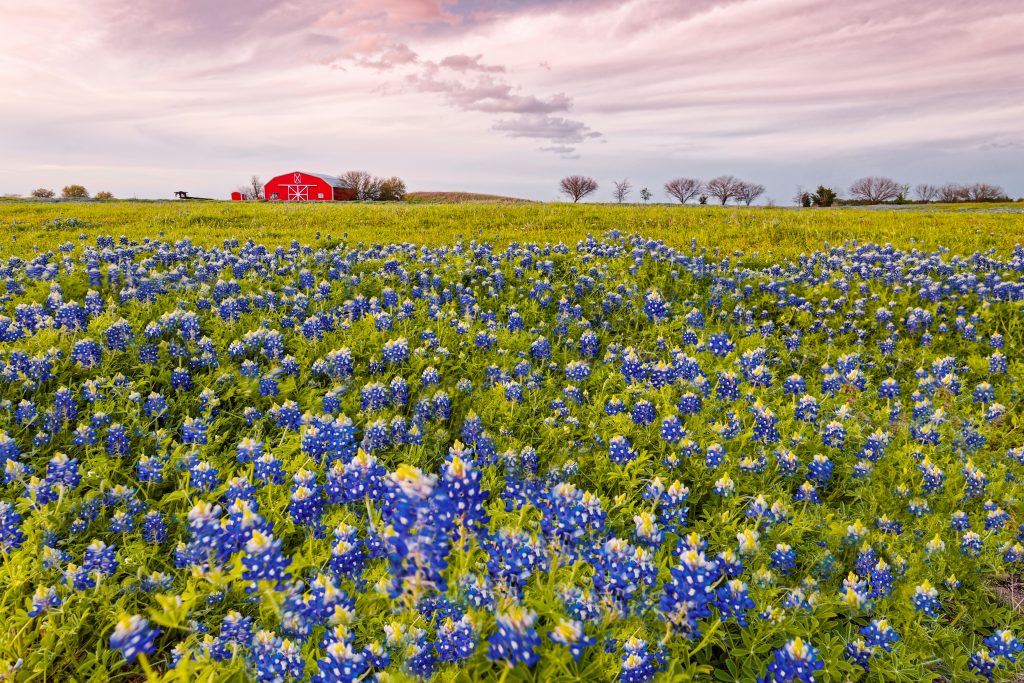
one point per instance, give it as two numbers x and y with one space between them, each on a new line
769 231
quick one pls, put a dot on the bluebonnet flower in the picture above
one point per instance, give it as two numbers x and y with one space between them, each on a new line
639 664
516 638
202 475
971 544
1003 643
193 431
306 506
795 385
655 306
690 404
720 345
461 482
620 451
879 634
733 600
540 349
725 486
274 658
688 595
100 558
795 661
43 599
714 456
570 633
881 579
264 560
783 558
340 664
133 637
456 639
643 413
983 663
925 599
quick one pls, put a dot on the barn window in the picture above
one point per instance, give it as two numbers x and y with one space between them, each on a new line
320 195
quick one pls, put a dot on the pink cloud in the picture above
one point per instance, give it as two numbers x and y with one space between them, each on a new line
468 63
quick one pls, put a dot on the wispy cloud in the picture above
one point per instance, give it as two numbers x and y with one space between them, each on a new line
469 63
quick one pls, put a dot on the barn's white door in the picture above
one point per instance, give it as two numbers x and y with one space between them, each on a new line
297 191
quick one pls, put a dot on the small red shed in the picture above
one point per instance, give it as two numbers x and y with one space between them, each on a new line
300 186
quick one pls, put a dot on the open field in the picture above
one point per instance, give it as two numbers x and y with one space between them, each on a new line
363 449
770 232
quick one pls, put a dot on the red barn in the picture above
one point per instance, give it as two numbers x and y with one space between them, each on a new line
307 187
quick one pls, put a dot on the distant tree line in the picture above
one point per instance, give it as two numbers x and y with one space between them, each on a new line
69 192
726 188
370 188
885 190
723 188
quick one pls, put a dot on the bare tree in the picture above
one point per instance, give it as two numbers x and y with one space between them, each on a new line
800 198
577 187
254 190
623 188
723 188
984 192
683 189
953 192
876 189
43 193
748 192
365 186
926 192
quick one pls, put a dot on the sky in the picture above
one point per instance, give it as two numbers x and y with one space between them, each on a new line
145 97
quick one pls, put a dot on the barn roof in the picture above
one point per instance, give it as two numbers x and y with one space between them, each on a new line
331 180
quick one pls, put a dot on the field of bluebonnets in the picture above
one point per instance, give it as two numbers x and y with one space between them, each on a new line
623 455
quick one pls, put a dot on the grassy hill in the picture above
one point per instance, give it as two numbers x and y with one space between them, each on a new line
461 198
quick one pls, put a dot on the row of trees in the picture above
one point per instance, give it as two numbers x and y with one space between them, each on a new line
723 188
883 190
69 192
369 187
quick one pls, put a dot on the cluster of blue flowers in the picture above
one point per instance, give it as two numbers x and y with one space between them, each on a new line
334 462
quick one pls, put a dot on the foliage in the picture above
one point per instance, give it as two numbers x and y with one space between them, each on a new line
104 195
74 192
43 193
824 196
392 189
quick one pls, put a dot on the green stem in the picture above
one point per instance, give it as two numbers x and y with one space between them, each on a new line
150 674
